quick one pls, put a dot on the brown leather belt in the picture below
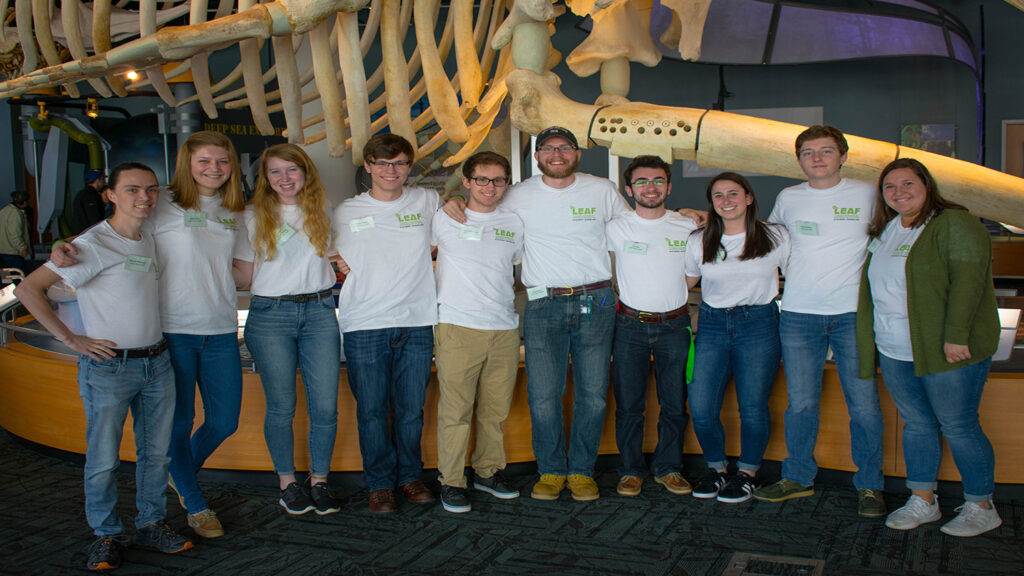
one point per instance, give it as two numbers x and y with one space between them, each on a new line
150 352
570 290
652 317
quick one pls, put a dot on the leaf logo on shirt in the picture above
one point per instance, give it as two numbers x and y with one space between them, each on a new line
675 245
583 214
845 214
901 251
504 235
409 220
229 223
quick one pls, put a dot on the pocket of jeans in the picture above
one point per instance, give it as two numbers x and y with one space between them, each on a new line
258 304
327 303
109 367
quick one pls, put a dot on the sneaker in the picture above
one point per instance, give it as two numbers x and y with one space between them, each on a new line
973 520
784 489
206 524
709 484
674 483
870 503
105 553
181 499
323 500
739 488
159 536
583 488
549 487
454 499
295 499
914 513
495 486
630 485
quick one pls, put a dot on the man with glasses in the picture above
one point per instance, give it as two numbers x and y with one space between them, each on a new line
387 310
570 308
827 218
649 247
477 335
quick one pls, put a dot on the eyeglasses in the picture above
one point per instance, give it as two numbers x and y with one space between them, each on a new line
564 149
395 164
641 182
499 182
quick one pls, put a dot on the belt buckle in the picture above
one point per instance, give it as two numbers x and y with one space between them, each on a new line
571 290
641 316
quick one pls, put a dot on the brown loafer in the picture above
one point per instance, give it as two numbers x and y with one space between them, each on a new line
416 492
674 483
383 500
630 486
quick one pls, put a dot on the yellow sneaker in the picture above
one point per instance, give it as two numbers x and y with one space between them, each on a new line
548 487
583 488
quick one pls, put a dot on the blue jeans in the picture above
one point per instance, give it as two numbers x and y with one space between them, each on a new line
213 362
942 404
740 343
555 328
283 336
108 390
632 347
806 339
388 371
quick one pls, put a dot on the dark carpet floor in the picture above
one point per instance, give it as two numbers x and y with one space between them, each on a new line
43 530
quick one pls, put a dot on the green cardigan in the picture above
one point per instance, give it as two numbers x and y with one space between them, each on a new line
950 297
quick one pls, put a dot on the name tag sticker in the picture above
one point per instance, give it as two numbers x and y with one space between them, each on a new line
360 224
874 244
467 232
807 228
138 263
195 219
639 248
537 292
284 233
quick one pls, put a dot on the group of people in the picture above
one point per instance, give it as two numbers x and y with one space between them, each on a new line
175 260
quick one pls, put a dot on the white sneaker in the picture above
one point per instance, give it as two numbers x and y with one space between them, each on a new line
973 520
914 513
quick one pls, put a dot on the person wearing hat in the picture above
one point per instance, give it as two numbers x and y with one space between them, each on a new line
88 208
570 309
15 246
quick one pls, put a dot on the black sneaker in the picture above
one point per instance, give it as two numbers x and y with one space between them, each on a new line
739 488
323 500
709 484
105 553
159 536
295 499
454 499
495 486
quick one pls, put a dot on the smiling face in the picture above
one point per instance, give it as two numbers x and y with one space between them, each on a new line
556 163
905 193
484 197
286 179
134 194
388 176
820 160
730 200
649 187
211 168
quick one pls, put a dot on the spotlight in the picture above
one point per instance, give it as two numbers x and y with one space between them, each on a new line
92 108
131 75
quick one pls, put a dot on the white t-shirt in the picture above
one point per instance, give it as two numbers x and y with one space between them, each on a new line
197 292
296 268
829 231
734 282
565 241
116 282
888 278
649 260
387 247
474 269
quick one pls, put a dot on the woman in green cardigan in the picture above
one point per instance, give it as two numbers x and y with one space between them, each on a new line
927 305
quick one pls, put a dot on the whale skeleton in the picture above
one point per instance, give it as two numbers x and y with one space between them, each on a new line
502 53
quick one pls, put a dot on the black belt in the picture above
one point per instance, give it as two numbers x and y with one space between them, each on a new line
149 352
311 297
570 290
652 317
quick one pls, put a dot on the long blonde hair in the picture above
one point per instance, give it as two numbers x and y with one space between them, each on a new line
184 191
312 198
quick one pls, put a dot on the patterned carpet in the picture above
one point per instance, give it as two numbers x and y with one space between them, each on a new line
43 530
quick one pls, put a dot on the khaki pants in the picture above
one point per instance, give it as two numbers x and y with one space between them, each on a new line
473 365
